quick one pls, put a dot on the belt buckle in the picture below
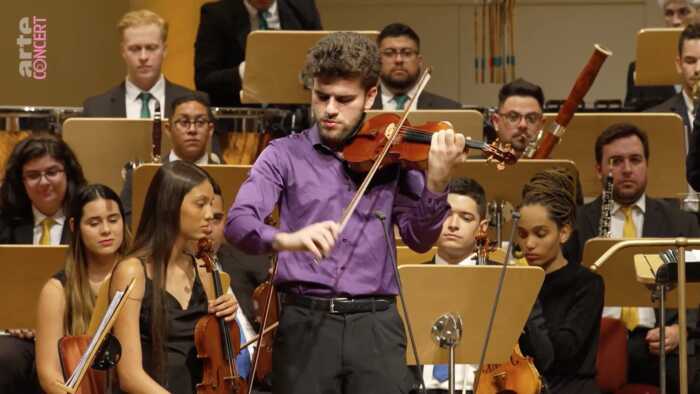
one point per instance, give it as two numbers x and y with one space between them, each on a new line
332 306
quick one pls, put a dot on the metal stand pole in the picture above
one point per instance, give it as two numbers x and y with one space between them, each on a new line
451 384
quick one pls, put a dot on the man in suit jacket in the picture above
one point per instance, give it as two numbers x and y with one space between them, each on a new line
623 149
190 129
143 48
687 67
677 13
401 66
220 46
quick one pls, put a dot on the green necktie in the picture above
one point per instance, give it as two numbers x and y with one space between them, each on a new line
145 97
262 20
400 101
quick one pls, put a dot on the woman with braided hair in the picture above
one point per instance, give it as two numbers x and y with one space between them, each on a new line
563 339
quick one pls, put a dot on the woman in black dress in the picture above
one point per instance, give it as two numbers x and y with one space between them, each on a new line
156 326
563 339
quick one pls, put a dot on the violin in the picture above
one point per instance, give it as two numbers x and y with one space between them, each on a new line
213 340
518 374
266 315
411 146
71 349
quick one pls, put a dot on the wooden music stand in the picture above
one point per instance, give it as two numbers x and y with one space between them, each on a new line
618 258
104 145
468 122
433 290
271 81
25 269
666 173
229 177
657 50
405 256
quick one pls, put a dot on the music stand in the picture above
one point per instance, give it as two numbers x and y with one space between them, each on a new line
229 177
613 260
465 121
25 270
434 290
405 256
666 173
267 79
504 187
657 50
104 145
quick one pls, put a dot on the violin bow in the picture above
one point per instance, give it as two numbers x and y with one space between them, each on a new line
425 77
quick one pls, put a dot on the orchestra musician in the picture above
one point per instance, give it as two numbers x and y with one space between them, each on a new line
67 300
519 117
144 36
402 64
339 329
624 150
456 245
156 325
219 58
564 340
189 130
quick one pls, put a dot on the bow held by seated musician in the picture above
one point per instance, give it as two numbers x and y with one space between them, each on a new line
326 277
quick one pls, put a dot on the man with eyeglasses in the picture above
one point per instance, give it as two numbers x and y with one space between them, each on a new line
402 64
190 129
676 13
144 37
519 114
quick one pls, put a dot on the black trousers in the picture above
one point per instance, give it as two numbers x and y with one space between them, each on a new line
17 367
320 353
644 366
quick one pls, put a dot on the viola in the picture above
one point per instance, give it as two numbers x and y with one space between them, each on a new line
518 374
70 350
266 314
213 340
411 146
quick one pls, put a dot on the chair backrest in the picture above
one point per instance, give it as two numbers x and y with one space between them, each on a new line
611 362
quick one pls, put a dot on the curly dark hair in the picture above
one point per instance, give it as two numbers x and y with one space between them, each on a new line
14 201
555 190
343 55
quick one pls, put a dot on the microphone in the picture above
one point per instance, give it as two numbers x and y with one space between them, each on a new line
379 215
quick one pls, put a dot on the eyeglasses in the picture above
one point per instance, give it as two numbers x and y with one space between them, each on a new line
52 174
514 117
198 123
404 52
682 12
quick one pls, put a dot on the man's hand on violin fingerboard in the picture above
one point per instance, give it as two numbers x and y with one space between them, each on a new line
447 149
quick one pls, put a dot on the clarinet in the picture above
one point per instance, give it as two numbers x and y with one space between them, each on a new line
606 208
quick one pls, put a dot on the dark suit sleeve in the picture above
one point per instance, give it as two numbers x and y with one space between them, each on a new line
311 19
217 57
125 196
692 162
93 107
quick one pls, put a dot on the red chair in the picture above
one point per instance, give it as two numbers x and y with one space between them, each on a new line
611 362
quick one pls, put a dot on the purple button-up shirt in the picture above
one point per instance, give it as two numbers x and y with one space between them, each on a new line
311 185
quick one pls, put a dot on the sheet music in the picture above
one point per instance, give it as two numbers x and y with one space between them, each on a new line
93 341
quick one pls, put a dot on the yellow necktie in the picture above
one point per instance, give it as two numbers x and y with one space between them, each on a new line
629 314
46 231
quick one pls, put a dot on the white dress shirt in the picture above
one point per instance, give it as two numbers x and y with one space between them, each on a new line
464 373
647 318
204 160
56 229
388 102
133 102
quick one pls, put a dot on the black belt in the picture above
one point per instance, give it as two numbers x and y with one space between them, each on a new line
339 305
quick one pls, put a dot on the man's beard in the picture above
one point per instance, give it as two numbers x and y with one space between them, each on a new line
629 197
400 85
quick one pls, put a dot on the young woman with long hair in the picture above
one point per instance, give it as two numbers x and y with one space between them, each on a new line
66 303
564 339
156 326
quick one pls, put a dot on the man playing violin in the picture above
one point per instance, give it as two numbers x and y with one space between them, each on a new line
339 329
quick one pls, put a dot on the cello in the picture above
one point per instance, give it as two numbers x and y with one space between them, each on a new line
213 339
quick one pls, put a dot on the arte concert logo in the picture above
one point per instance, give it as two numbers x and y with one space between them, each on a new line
32 47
